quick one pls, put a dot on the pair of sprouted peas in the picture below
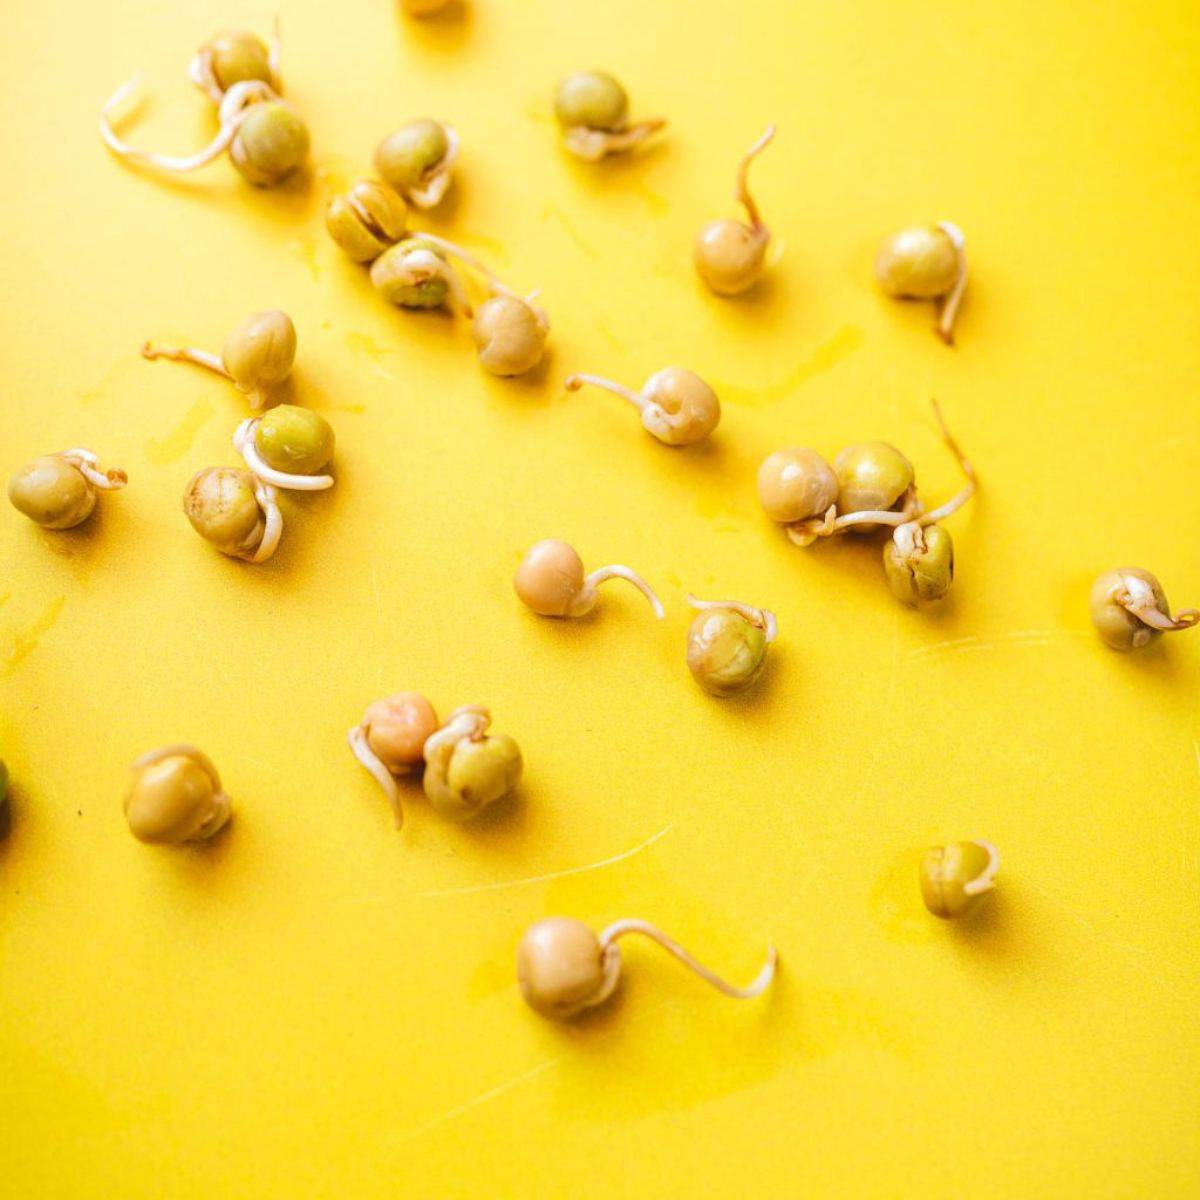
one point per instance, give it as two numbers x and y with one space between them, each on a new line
263 134
726 643
464 767
289 447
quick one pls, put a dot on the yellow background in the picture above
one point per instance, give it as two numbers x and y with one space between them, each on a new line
315 1006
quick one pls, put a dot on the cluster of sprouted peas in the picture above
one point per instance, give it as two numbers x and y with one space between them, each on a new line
563 966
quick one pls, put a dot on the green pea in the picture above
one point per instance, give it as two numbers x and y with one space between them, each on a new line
725 651
919 563
52 492
221 504
405 157
270 144
294 440
592 99
478 772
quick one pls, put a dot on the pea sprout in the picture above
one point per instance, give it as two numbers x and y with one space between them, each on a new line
236 512
58 491
728 254
467 768
418 159
953 877
390 741
415 274
551 581
593 110
232 57
1130 610
727 644
564 968
176 796
676 406
926 263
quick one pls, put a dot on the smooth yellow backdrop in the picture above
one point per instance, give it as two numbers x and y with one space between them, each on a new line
316 1006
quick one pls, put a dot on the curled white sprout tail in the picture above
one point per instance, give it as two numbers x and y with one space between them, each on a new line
470 721
949 310
463 256
243 441
756 987
429 193
585 601
357 737
956 502
741 192
200 72
764 618
986 879
234 106
88 465
575 382
429 265
264 493
1138 597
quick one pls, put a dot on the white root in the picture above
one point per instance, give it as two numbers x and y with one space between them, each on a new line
763 618
756 987
264 493
576 381
87 464
357 737
986 879
950 304
585 601
429 192
244 443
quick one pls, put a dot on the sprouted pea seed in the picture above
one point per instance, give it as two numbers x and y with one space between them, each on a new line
593 110
257 355
466 768
1130 610
287 447
390 741
235 512
368 219
58 491
175 796
234 56
417 160
953 877
676 406
727 644
551 581
564 968
926 263
729 254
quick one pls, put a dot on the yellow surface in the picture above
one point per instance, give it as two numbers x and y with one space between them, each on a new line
315 1006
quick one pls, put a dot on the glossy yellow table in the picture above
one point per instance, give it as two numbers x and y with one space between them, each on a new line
316 1006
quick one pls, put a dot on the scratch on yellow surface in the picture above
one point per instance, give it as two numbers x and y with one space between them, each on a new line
568 226
169 449
21 642
593 866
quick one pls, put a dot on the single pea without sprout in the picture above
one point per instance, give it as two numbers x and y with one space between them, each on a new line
257 356
368 219
58 491
287 447
926 263
729 254
551 581
1129 609
676 405
466 768
564 968
235 56
390 741
175 796
264 135
593 110
727 644
417 160
234 511
954 877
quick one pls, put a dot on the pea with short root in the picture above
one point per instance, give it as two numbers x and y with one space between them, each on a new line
390 741
287 447
58 491
418 159
564 968
727 644
1129 609
235 512
593 110
368 219
257 356
953 877
729 254
675 404
551 581
926 263
414 273
466 768
175 796
235 56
